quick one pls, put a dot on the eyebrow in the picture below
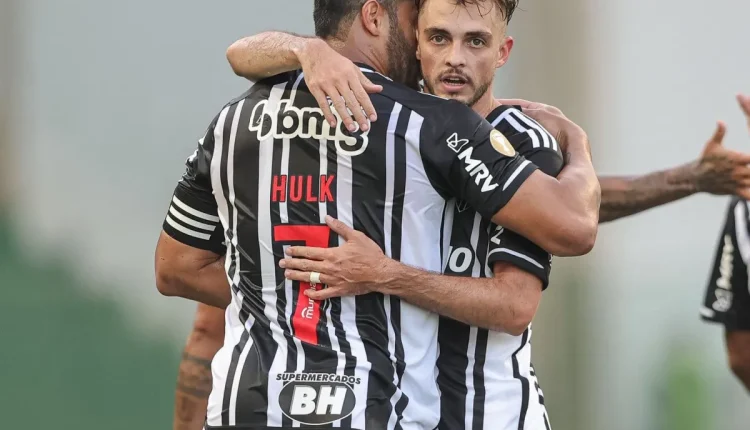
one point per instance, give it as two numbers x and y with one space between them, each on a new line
470 34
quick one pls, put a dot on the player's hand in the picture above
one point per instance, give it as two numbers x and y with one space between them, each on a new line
744 102
351 269
720 170
556 123
329 74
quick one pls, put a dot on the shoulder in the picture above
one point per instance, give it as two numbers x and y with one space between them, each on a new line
439 113
512 122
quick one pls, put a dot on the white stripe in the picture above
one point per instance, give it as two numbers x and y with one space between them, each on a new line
236 275
194 212
186 230
541 127
222 360
362 368
471 349
515 174
448 215
283 207
390 177
420 245
268 264
517 254
236 381
364 69
740 226
708 313
323 209
521 129
189 221
533 126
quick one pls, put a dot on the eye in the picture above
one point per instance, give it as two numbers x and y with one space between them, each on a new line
477 43
438 39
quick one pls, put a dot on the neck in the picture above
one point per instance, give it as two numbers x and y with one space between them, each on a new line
486 104
352 49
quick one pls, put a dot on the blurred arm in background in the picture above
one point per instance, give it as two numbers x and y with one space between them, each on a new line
717 171
727 299
194 381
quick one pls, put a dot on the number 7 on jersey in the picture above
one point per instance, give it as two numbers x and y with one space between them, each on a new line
307 312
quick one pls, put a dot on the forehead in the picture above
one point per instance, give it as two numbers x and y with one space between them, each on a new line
481 15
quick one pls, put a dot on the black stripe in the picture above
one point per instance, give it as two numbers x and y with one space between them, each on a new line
480 354
453 338
399 191
253 384
524 382
227 129
546 422
368 198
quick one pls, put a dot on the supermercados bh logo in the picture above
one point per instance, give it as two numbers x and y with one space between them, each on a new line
287 121
317 398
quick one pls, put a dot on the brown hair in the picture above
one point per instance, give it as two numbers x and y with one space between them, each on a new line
506 7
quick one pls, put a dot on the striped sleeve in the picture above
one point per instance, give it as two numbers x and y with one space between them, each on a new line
510 247
471 161
727 298
193 217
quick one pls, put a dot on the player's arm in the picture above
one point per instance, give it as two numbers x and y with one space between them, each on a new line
559 214
194 381
727 299
189 258
327 73
717 171
506 302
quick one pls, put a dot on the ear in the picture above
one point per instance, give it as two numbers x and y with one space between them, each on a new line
505 49
373 18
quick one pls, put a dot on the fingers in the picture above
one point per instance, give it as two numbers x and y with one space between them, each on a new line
741 173
340 228
339 103
304 276
361 89
308 252
525 104
305 265
322 100
719 133
744 102
326 293
356 108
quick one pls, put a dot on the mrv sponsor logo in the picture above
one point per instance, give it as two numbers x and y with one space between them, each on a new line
317 398
286 121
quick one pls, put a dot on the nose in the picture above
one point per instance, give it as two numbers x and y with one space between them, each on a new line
456 57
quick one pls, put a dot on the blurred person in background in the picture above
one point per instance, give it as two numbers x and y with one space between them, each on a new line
247 392
716 171
727 299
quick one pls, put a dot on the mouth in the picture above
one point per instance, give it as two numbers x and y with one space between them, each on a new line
454 82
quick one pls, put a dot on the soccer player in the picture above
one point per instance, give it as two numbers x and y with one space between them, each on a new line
728 294
266 175
451 33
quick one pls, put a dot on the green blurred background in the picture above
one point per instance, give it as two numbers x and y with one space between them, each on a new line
101 102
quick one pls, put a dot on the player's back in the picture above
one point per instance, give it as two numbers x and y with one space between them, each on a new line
278 168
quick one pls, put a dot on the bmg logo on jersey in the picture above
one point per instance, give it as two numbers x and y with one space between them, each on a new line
286 121
317 398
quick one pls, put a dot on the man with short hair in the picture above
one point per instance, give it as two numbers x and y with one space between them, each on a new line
459 56
271 173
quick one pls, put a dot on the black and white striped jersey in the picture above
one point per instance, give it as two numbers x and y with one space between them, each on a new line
728 293
267 172
485 377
